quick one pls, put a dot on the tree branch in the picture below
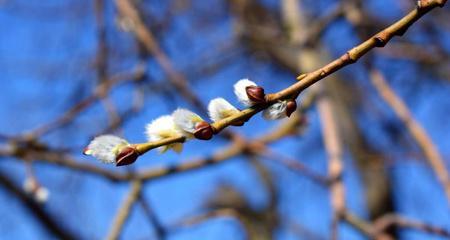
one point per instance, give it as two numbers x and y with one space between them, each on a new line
419 134
49 222
378 40
124 210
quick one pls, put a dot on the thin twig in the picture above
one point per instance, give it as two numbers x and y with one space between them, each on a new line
388 220
125 210
49 222
378 40
146 38
160 231
414 128
333 147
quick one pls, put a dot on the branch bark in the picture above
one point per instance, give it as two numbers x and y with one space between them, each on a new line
416 130
351 56
125 210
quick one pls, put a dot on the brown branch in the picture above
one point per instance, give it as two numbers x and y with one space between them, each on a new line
388 220
333 147
160 231
146 38
125 210
65 160
201 218
327 113
351 56
100 92
239 146
419 134
50 223
296 166
380 226
302 232
360 224
221 155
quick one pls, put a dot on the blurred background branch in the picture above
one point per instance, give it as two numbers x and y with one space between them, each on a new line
343 166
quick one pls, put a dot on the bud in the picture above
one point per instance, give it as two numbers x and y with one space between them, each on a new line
291 106
126 156
203 131
256 94
248 93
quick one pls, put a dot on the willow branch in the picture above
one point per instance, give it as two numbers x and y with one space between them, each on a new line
160 231
295 166
359 224
124 211
221 155
416 130
333 147
307 79
146 38
383 223
239 146
50 223
377 229
100 92
201 218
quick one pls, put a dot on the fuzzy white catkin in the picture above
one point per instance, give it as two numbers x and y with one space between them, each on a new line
241 92
185 120
163 127
104 147
220 108
275 111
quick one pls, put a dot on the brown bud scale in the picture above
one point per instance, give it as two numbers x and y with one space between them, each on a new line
291 106
203 131
256 94
127 155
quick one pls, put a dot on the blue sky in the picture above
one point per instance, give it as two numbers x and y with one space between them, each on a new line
47 53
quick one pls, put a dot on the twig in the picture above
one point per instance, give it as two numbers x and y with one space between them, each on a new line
217 213
100 92
124 211
360 224
382 224
378 40
159 229
51 224
415 129
333 147
146 38
388 220
295 166
238 147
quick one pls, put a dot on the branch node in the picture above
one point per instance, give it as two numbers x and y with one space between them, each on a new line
425 4
348 57
382 39
301 76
